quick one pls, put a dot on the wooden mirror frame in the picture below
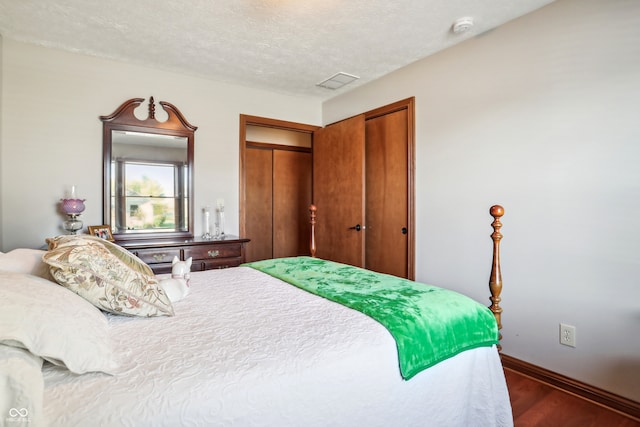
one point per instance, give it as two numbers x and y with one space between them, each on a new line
124 119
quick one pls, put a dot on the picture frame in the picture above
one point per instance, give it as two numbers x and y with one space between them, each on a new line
101 231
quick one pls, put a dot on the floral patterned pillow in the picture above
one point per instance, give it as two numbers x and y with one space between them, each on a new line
124 255
110 282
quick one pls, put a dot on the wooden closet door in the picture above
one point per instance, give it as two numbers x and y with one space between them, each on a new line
259 203
338 190
387 215
291 200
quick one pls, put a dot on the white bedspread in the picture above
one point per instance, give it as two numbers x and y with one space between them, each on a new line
245 349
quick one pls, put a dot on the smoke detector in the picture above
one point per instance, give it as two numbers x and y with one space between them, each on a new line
462 25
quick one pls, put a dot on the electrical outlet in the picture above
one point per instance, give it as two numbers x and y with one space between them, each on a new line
567 335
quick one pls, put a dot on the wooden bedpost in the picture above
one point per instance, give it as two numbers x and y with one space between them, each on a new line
312 243
495 281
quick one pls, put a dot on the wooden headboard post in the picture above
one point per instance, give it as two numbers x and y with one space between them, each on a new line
312 243
495 281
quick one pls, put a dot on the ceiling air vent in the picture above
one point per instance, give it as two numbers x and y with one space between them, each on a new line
337 81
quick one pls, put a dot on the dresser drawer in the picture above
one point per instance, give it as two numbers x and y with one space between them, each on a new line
158 255
206 254
214 251
163 268
210 264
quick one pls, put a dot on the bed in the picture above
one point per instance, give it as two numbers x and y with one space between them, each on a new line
244 348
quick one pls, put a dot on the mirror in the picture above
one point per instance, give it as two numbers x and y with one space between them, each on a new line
148 173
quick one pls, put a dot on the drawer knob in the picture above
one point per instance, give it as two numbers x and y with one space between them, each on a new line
159 257
213 254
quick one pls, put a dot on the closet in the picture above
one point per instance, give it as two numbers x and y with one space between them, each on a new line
363 174
276 187
359 175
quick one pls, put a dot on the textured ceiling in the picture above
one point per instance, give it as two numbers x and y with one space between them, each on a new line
286 46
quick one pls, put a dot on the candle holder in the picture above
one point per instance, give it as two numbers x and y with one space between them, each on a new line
220 228
207 224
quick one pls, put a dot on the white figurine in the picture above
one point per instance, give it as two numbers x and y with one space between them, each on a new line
177 287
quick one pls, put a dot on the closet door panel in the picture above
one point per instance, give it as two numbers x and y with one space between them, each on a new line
259 204
387 194
338 190
291 200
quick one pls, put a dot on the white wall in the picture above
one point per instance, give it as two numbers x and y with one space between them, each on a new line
1 174
51 136
540 115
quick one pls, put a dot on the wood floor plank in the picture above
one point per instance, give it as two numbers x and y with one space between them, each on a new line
536 404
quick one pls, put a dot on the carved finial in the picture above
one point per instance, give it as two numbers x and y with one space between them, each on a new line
495 281
152 108
312 246
496 211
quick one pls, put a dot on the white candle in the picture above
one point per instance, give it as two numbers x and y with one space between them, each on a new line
220 203
72 194
206 220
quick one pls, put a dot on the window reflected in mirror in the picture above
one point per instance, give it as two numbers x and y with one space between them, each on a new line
149 183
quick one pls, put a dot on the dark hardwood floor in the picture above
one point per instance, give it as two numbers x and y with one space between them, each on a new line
536 404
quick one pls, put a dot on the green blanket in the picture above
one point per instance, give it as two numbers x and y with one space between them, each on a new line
429 324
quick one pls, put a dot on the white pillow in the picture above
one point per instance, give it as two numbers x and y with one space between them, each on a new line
54 323
21 387
23 260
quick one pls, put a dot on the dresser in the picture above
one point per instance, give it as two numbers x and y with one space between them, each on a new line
206 254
